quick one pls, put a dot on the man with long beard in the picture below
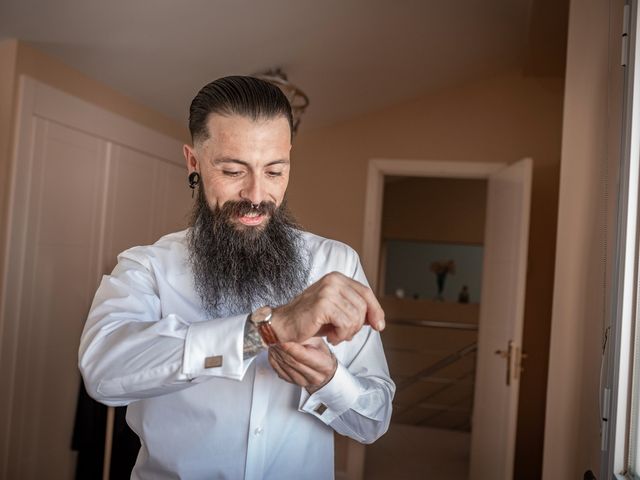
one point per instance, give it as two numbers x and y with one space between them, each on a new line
243 343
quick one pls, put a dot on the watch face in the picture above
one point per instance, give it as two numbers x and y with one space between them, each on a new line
263 314
261 318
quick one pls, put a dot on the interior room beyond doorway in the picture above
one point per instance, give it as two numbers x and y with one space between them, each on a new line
429 275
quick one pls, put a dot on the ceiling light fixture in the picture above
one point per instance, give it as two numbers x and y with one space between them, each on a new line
297 98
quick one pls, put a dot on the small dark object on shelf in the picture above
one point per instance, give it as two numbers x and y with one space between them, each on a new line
463 296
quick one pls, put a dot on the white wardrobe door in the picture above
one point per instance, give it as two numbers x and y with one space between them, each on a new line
88 184
130 202
64 219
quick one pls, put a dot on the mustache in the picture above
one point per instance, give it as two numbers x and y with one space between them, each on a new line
238 208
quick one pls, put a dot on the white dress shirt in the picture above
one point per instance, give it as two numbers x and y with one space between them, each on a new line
145 343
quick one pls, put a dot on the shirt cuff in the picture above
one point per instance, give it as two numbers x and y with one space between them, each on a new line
335 398
214 348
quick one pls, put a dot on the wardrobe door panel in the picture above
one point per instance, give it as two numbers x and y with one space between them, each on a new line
64 219
131 201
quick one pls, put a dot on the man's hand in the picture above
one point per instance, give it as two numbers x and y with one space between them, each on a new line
310 365
335 306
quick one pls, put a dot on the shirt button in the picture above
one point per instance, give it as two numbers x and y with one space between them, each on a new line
258 431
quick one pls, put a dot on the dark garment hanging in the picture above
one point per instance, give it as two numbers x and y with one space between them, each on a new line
89 438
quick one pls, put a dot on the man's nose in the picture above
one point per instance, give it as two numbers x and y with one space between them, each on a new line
253 191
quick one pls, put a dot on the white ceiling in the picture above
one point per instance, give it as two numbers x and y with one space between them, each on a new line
349 56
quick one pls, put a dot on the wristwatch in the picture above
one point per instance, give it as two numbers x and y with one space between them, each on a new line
261 318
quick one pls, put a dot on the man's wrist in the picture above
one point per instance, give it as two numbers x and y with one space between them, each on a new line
277 325
253 343
262 319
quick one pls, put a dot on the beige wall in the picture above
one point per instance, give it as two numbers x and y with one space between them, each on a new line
448 210
8 52
586 225
499 119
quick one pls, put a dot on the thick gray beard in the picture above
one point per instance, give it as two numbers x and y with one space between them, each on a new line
236 271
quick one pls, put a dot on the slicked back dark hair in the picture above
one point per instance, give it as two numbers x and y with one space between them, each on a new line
237 95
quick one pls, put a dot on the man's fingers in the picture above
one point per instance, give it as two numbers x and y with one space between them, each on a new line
315 362
336 306
317 343
344 323
354 302
292 367
324 331
356 306
287 360
310 365
279 370
345 309
375 314
312 354
291 374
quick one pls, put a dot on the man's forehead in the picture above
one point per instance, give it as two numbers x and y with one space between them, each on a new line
243 138
236 125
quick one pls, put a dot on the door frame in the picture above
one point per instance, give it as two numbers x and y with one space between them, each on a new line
377 169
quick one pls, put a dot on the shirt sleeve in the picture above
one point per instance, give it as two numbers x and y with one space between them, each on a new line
130 351
357 401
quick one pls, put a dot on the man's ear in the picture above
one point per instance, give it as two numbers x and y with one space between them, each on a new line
191 159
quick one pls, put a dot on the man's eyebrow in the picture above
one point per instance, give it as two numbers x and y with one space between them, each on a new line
246 164
282 161
229 160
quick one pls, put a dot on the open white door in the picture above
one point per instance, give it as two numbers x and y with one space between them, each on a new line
501 319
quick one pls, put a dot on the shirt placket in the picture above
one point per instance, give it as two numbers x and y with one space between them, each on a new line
258 423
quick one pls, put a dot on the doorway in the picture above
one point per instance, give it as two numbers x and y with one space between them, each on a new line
492 334
429 284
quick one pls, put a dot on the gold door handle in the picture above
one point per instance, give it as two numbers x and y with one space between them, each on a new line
508 356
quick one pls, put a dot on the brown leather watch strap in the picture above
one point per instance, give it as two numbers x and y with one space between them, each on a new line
267 333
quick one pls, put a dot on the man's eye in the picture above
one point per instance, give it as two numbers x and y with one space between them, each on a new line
231 173
274 174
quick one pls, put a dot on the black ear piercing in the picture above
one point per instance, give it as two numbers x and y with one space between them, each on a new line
194 180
